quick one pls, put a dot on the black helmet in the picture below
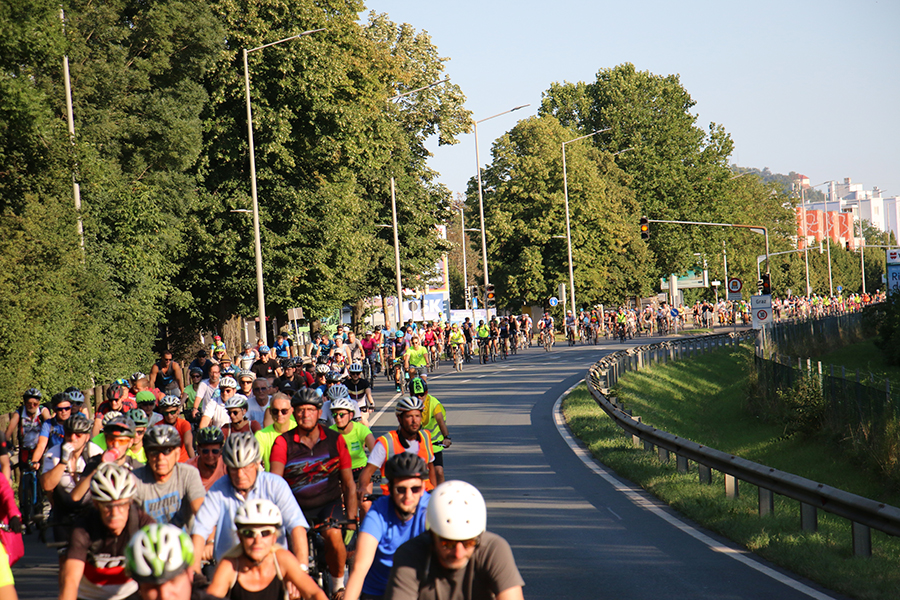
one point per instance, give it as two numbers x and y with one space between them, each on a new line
31 393
287 363
417 386
122 426
115 392
334 377
78 423
404 466
162 436
210 435
306 397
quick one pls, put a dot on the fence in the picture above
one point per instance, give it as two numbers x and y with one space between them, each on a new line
863 513
797 336
857 405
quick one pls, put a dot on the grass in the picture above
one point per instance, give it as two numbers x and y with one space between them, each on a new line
702 399
864 356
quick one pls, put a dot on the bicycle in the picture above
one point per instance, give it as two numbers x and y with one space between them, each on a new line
30 496
547 340
570 335
504 348
318 567
457 358
483 350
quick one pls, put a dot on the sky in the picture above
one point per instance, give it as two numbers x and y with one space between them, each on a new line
805 86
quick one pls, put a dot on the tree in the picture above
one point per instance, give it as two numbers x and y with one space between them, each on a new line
524 216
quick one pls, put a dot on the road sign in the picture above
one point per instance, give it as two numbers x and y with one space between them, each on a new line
763 301
840 289
734 288
761 317
893 256
554 301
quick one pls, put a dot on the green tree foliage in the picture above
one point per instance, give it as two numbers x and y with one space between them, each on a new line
677 170
525 216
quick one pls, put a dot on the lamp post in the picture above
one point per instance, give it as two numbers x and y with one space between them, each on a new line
828 219
568 226
480 194
260 293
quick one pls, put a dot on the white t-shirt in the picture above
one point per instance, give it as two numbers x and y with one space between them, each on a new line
216 411
378 454
256 411
52 457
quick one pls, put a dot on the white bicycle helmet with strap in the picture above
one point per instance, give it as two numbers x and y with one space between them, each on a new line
456 511
258 512
111 482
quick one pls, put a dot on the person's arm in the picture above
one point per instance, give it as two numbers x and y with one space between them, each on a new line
221 581
39 449
188 439
204 422
294 573
432 475
513 593
196 503
4 467
72 572
80 489
300 544
365 481
369 400
50 478
366 545
348 487
154 371
278 457
199 547
13 424
179 376
369 442
442 424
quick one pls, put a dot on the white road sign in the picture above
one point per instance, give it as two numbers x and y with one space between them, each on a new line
734 288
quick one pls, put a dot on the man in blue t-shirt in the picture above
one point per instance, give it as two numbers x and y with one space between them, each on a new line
391 521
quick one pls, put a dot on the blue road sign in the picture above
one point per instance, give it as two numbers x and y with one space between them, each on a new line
554 301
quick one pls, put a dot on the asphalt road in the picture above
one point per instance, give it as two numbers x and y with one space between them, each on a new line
575 533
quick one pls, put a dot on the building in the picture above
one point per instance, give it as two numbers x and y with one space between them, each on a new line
845 204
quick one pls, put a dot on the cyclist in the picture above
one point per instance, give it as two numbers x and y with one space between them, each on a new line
570 327
434 421
398 351
283 420
214 412
247 571
416 357
245 481
116 400
408 437
266 366
546 327
166 375
169 491
170 407
237 406
53 429
468 330
282 346
146 402
391 521
358 436
316 463
26 422
120 433
430 341
159 559
258 399
62 466
360 390
503 334
457 342
94 565
290 373
208 459
483 333
456 548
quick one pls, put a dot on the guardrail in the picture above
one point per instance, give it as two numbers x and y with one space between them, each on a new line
864 514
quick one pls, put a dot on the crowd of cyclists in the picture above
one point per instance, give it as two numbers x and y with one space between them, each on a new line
253 476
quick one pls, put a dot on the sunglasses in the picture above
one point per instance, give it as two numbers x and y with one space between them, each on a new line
235 411
415 489
63 408
340 414
196 375
139 431
213 451
451 544
249 534
156 451
275 412
170 412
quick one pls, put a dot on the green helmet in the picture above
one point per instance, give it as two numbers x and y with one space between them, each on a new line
158 553
138 416
210 435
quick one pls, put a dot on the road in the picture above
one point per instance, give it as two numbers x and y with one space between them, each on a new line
574 533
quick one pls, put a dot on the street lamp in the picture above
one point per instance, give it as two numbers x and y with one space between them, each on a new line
480 194
828 219
568 227
260 293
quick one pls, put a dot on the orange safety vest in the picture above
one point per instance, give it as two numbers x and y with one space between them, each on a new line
395 446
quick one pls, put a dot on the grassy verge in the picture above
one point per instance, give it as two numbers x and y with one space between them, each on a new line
864 356
713 384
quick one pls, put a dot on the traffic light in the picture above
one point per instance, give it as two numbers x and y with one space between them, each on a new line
645 228
490 297
766 285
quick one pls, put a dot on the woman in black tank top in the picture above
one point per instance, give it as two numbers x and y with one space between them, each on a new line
258 568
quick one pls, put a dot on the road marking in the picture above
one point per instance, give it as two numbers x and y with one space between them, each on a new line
466 381
642 500
614 513
387 405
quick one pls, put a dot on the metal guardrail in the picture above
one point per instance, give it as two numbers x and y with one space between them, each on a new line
865 514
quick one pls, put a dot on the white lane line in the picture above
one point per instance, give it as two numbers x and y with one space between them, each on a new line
614 513
387 405
641 500
466 381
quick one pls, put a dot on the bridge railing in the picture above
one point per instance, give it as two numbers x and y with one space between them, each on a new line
864 514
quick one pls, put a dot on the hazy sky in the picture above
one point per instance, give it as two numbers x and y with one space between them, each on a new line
806 86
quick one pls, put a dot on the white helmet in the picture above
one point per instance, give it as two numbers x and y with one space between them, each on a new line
111 482
408 403
355 367
109 417
456 511
170 401
342 404
240 450
336 392
237 401
258 512
323 369
228 382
